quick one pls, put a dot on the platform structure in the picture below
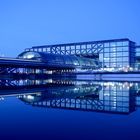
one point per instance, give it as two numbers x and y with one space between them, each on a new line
113 55
32 62
10 67
95 57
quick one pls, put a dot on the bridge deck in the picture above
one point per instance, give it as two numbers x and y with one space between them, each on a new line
22 63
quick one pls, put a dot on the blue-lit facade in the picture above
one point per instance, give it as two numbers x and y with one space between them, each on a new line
118 55
111 97
57 59
112 55
137 58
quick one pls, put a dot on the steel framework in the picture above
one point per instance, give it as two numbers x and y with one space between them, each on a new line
70 48
115 53
81 48
82 104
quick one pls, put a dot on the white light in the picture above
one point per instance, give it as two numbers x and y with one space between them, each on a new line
1 98
49 72
106 58
30 97
106 94
30 56
50 80
75 89
131 69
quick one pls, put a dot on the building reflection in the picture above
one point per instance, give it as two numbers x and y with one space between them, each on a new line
109 97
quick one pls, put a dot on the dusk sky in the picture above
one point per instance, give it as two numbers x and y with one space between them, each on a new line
27 23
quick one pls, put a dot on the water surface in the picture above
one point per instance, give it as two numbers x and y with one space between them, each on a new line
64 109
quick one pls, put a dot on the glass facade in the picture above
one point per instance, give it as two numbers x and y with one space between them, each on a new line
113 55
116 96
137 64
55 59
117 55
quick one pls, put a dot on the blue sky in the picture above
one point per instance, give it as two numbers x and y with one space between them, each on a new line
26 23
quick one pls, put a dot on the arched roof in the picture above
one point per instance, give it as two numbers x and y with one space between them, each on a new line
59 59
86 91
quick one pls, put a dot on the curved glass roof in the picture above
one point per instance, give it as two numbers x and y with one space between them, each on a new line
56 59
78 92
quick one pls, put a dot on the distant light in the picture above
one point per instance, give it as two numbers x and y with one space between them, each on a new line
1 98
30 56
30 97
75 89
106 94
49 80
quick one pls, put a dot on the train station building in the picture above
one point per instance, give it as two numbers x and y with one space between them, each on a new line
107 55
